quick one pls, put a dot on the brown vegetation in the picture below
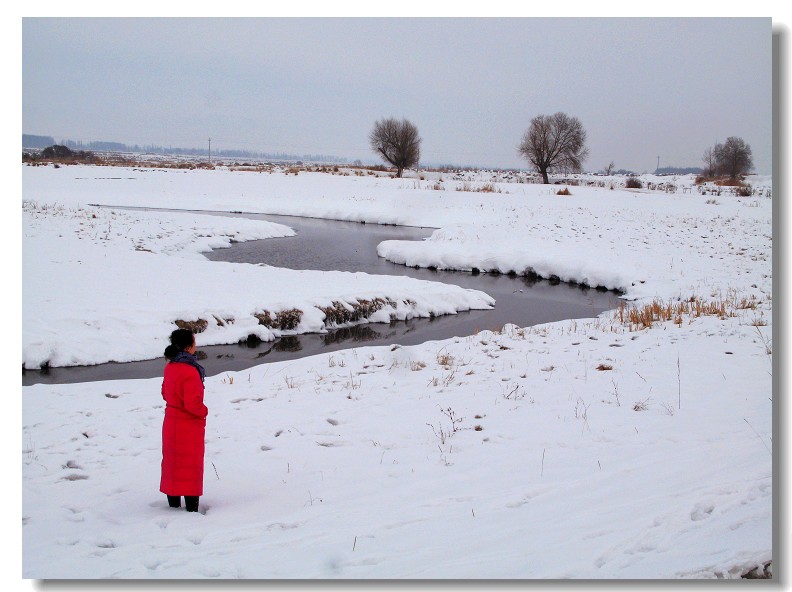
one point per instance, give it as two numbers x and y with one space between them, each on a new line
284 320
339 313
58 158
198 326
483 188
643 316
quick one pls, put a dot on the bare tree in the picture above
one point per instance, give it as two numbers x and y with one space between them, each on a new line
609 169
397 142
554 142
733 158
709 163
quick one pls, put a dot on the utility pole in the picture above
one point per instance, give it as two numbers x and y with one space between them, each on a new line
658 164
210 151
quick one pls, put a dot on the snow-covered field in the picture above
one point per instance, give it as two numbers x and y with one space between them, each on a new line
590 449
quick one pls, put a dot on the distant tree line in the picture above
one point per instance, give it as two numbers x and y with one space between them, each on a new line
58 152
678 171
552 143
33 141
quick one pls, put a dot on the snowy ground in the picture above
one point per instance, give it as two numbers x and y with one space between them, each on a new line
580 449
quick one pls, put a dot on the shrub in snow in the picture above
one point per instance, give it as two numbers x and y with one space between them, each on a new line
339 313
198 326
285 320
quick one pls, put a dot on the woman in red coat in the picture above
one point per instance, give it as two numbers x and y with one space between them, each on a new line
184 424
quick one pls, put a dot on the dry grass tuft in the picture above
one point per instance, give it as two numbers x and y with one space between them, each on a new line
564 191
483 188
747 303
759 321
643 316
445 359
731 182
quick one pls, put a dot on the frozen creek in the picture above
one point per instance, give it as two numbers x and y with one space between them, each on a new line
349 246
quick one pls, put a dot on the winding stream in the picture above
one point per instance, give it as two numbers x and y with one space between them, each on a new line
350 246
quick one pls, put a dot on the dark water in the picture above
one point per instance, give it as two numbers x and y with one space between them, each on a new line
350 246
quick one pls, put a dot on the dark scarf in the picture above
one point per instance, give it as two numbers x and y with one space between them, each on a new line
185 358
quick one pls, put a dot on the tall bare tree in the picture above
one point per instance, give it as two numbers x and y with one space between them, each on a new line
733 158
554 142
397 142
709 162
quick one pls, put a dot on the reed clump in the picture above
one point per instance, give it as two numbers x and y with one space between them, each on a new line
644 316
340 313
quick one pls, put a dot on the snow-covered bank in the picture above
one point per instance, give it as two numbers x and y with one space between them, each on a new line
643 253
108 285
625 446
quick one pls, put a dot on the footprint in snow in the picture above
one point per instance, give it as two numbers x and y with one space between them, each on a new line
152 564
106 544
283 525
701 511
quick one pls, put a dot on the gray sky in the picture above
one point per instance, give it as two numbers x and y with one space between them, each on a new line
643 88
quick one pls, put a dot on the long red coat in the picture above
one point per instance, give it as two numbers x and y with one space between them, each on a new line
183 431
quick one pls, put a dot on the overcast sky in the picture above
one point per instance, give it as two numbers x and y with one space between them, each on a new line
642 88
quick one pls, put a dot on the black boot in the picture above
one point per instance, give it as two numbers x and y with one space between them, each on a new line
191 503
174 501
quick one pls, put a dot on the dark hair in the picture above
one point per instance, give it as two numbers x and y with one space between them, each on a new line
180 340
